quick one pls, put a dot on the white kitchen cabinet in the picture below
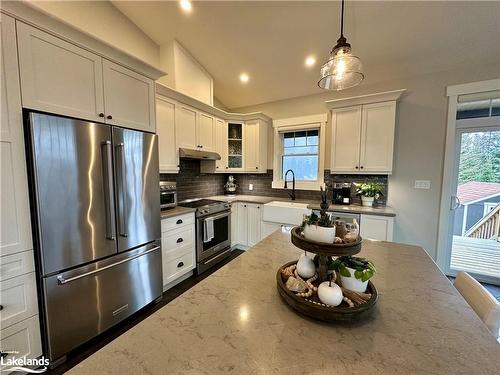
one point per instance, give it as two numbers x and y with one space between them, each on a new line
18 298
269 228
377 137
363 138
242 224
15 226
346 133
221 145
62 78
254 224
205 132
375 227
21 340
235 147
186 123
246 223
59 77
178 248
165 128
234 224
255 150
129 98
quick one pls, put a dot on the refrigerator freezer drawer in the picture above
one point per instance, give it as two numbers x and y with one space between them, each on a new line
82 303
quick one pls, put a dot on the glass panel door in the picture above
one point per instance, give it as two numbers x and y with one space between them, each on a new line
235 145
475 246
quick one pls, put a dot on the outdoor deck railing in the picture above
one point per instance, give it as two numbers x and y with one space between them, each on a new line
488 227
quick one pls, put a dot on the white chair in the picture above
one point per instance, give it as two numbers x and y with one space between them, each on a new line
481 301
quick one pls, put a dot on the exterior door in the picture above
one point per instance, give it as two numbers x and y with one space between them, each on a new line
74 189
474 236
346 134
137 188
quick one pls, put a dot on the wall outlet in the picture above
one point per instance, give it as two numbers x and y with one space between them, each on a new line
250 186
422 184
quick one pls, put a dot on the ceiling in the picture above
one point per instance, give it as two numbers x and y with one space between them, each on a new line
270 40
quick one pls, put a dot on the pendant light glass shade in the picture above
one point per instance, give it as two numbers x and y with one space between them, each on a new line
341 71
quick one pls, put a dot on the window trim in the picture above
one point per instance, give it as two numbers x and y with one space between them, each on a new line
296 124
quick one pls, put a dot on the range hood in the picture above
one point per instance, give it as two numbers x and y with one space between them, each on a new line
187 153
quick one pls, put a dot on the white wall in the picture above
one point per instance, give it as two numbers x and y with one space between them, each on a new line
419 147
103 21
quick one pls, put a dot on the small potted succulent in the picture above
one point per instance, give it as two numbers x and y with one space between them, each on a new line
354 272
368 192
319 228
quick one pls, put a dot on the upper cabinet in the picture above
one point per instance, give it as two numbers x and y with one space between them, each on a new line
235 146
186 119
62 78
59 77
205 132
15 227
221 144
362 135
255 154
128 98
165 128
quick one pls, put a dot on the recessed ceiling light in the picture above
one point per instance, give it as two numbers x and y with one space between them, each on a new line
310 61
244 77
186 5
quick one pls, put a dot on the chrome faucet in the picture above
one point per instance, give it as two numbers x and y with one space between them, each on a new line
292 194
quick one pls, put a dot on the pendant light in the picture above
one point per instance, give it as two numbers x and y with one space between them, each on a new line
343 69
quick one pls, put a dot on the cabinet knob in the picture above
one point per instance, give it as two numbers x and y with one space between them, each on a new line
101 114
180 264
109 117
227 167
179 240
201 146
1 307
356 167
361 167
256 167
179 221
217 167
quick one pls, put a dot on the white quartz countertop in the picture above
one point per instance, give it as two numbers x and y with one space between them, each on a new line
234 321
353 208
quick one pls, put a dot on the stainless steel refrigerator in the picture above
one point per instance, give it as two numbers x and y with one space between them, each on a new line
96 207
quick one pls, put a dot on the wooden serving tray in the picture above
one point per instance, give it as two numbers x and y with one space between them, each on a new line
322 248
313 308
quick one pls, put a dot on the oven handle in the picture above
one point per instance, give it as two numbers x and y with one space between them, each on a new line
218 216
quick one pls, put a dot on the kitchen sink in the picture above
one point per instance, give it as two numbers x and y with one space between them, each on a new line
283 212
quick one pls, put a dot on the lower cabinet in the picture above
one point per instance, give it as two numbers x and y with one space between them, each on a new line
178 247
246 224
374 227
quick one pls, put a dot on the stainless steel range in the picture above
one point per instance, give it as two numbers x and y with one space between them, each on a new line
213 231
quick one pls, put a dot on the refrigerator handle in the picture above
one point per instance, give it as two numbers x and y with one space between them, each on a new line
61 280
108 189
122 182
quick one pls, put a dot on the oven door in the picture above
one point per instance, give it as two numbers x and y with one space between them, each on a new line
211 242
168 198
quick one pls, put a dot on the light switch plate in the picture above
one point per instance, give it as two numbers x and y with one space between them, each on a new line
250 186
422 184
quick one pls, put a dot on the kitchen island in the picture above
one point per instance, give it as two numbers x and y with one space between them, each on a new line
235 322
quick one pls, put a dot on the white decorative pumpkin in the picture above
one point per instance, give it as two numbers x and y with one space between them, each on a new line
306 267
330 294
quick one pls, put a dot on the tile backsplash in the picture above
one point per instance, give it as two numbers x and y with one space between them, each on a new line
191 183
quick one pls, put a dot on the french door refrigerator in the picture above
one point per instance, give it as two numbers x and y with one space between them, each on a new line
96 207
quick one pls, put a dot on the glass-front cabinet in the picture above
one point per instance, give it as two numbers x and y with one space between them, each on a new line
235 146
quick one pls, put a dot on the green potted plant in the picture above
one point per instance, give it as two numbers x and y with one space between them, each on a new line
368 192
354 272
319 228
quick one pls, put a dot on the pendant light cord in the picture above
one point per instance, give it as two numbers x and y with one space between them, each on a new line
342 21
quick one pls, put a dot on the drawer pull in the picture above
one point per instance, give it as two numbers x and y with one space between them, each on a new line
179 240
180 264
179 221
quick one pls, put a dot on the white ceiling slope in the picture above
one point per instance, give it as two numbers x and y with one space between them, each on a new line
270 40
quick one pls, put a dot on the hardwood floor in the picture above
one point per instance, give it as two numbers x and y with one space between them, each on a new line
100 341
